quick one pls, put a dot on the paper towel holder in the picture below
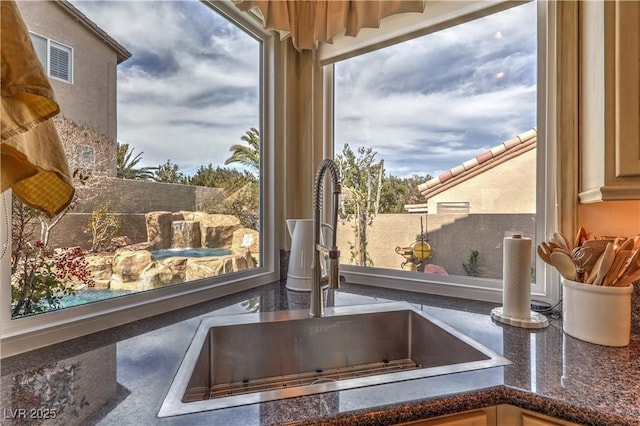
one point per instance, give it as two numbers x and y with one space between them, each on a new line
534 320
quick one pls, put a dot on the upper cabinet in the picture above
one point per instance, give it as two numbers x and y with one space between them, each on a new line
609 101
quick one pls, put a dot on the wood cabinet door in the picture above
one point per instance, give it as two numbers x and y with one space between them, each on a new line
627 92
471 418
528 420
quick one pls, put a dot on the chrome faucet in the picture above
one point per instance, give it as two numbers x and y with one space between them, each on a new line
331 250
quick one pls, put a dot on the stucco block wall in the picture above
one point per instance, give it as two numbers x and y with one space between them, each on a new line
70 231
137 196
131 199
450 236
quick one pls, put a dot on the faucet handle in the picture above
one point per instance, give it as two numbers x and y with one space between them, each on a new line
334 270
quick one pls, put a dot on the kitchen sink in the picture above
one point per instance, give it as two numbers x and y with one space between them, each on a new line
249 358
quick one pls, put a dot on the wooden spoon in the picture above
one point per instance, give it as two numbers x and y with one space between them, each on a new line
605 264
625 244
618 264
581 236
564 264
629 265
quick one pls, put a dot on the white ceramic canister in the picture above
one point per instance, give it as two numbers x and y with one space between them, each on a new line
597 314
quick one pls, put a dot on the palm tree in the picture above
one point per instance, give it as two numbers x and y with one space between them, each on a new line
248 156
126 167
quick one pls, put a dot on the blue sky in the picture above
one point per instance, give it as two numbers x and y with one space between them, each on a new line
432 103
189 91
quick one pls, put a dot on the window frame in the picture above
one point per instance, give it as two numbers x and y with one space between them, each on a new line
32 332
439 16
60 46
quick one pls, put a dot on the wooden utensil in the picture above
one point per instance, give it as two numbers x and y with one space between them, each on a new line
544 254
564 264
618 264
561 240
625 244
628 266
594 248
605 264
581 237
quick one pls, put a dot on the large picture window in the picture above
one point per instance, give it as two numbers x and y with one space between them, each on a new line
172 196
437 139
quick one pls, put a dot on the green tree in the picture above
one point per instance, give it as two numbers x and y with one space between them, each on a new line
243 203
393 195
247 155
398 192
126 164
241 192
362 181
220 177
169 173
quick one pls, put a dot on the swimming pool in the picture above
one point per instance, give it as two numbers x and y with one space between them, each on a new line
189 252
87 296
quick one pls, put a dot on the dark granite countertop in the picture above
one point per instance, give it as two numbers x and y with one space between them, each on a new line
121 376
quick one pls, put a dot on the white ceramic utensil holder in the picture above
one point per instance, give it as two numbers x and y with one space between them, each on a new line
597 314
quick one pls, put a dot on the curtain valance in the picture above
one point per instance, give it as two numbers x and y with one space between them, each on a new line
309 22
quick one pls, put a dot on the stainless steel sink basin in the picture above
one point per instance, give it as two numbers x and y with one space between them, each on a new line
249 358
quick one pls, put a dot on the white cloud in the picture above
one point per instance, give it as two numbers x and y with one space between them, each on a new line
432 103
426 105
186 94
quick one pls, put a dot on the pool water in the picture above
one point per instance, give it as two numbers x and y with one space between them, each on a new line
87 296
189 252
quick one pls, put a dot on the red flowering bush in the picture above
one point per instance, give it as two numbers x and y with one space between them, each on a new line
39 282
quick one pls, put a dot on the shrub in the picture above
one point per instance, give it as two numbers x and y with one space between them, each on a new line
40 282
472 268
102 227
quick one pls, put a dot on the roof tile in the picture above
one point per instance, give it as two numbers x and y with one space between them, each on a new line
522 142
445 176
457 170
470 163
484 157
498 149
528 135
511 142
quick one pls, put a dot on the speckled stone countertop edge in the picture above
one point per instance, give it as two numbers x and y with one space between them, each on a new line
467 401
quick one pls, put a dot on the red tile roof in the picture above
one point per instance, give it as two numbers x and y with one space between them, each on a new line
498 154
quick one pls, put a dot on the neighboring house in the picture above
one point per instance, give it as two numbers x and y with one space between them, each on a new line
501 180
80 59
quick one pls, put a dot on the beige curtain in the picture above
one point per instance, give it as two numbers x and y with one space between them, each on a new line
309 22
32 160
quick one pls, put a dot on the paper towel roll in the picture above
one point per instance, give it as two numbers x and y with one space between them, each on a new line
516 277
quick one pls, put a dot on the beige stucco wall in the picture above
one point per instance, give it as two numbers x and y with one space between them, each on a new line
451 237
91 98
509 187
